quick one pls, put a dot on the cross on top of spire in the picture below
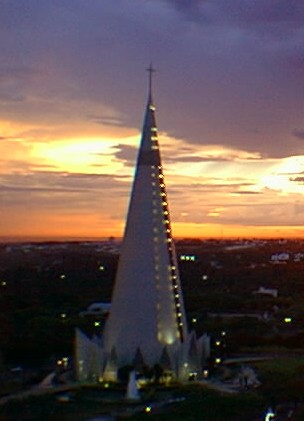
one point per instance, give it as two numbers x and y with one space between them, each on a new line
151 70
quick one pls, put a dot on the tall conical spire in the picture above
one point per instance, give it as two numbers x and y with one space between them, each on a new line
147 311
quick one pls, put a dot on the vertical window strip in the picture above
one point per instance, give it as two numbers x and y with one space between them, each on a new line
173 270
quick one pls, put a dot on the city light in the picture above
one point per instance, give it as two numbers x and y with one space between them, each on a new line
288 320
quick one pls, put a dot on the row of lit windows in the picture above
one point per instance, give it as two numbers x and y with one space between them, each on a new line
172 267
166 222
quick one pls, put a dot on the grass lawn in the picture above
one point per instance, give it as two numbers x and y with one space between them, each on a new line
85 403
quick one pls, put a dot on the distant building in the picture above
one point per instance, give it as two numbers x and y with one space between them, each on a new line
96 309
280 257
267 291
187 258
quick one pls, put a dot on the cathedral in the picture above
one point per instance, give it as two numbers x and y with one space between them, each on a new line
146 325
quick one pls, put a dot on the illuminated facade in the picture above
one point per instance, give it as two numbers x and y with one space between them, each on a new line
147 316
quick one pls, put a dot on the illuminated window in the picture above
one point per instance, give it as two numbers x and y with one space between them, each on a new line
160 176
153 129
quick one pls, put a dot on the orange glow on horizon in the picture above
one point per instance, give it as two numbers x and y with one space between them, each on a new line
92 228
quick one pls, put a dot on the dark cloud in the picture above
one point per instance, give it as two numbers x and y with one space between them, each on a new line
45 190
126 153
299 180
106 121
245 192
227 79
189 158
298 133
245 13
48 180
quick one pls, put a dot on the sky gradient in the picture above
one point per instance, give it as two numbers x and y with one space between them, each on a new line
229 92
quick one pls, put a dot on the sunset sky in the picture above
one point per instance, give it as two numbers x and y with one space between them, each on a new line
229 92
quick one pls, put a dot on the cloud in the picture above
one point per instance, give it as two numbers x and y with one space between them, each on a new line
246 192
46 191
229 83
106 120
299 179
244 12
126 153
298 133
228 80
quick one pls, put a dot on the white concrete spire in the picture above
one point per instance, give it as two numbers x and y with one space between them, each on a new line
147 311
